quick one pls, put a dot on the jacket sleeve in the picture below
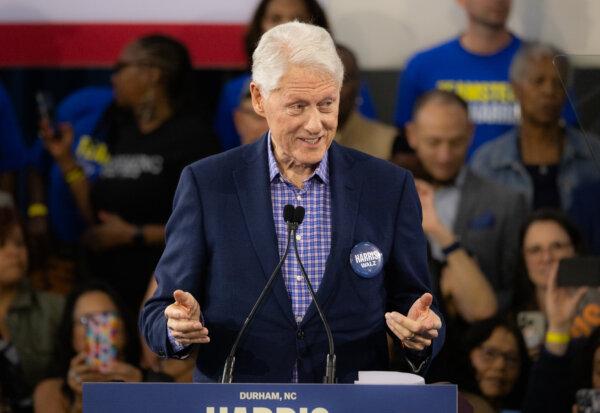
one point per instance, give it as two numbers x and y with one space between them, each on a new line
181 266
408 277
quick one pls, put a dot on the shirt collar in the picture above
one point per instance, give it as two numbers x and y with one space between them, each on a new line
322 170
460 178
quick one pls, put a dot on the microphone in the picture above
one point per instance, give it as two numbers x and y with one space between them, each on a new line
288 216
330 362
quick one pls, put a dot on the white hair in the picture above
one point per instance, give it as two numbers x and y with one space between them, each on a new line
534 50
294 44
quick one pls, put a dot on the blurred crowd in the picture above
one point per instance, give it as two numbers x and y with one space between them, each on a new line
509 185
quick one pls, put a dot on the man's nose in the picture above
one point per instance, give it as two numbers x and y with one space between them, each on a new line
314 124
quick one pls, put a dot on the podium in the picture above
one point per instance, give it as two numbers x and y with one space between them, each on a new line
267 398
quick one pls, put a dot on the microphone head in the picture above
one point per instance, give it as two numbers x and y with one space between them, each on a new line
288 213
299 215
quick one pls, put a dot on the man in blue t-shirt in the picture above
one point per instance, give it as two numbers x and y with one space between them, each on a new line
473 65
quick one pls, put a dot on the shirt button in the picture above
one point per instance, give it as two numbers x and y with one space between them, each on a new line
299 197
298 319
298 278
298 237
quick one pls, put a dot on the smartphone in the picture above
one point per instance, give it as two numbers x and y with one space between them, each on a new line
100 339
45 106
579 272
588 400
533 327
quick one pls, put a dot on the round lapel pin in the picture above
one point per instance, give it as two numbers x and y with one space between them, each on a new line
366 260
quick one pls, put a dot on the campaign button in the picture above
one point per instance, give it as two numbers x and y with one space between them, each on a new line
366 260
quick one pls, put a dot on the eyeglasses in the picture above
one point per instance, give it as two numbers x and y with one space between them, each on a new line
85 319
490 355
536 251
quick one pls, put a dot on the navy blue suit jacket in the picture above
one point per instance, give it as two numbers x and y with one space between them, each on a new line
221 246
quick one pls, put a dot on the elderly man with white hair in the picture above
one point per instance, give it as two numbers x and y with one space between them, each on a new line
360 242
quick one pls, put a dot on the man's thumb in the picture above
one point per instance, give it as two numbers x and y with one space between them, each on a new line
184 299
425 302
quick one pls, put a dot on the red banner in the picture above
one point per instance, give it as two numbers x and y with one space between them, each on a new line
99 45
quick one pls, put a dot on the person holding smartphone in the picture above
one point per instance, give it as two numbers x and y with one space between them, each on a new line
79 361
552 382
546 237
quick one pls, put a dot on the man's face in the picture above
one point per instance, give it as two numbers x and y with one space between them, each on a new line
540 92
490 13
302 114
440 134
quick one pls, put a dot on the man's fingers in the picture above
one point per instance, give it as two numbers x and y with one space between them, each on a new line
191 335
187 342
184 326
412 325
401 330
177 312
427 327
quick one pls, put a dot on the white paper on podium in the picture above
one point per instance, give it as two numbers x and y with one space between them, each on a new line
388 377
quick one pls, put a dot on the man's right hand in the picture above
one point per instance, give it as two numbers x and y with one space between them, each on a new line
183 320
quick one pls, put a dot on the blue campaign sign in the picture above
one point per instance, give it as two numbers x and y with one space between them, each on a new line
267 398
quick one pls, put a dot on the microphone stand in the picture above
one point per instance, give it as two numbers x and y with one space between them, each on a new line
331 359
227 376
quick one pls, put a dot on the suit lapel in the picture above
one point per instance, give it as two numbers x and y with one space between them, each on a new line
254 193
345 185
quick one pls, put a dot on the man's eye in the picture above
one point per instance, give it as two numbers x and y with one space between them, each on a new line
296 108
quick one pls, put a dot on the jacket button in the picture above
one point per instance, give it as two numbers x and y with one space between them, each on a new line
300 335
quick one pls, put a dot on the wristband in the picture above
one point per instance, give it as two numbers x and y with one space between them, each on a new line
451 248
553 337
74 175
37 210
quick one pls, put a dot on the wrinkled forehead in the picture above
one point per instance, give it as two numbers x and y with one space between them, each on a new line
307 78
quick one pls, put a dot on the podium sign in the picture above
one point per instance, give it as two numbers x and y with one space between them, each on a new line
267 398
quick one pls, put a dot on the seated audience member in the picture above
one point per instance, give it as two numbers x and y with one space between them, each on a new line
355 130
28 319
64 392
546 237
125 193
249 125
541 158
268 14
463 213
564 366
496 364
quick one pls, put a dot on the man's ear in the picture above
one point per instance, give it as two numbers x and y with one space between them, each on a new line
258 99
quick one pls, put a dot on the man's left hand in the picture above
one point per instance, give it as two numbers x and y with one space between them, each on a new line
417 329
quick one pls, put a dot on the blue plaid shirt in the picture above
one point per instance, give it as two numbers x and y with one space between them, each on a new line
313 236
